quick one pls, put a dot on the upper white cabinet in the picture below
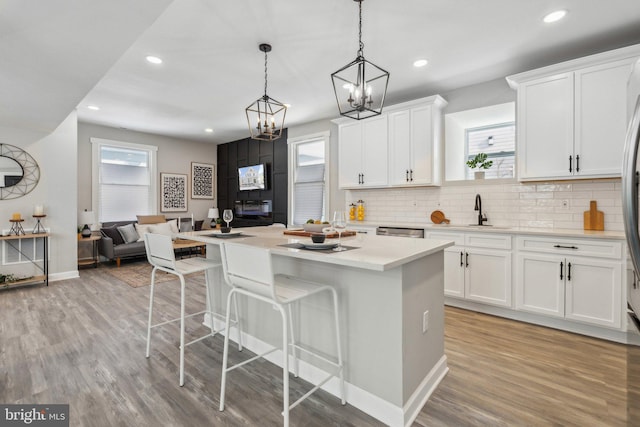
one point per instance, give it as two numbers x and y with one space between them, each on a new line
571 117
363 154
401 147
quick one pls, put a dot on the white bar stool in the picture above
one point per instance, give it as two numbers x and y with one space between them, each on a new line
162 257
256 280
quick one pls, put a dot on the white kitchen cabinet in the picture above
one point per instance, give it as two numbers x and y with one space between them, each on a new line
571 119
415 145
554 280
477 267
363 154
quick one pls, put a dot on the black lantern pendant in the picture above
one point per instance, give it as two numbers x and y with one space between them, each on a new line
360 86
265 117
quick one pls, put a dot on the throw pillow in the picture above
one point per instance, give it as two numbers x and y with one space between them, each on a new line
128 233
150 219
162 228
142 229
174 225
113 234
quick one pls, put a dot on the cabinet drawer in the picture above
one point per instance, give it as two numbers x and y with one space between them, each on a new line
581 247
458 238
487 240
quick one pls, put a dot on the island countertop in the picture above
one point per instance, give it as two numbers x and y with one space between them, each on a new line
379 253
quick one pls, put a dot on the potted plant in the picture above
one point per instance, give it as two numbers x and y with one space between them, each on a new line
479 162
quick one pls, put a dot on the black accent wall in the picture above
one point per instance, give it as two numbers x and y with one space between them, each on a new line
246 152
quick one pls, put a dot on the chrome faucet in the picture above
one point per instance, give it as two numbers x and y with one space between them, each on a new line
481 217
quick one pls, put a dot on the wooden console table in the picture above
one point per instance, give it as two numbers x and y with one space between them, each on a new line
44 277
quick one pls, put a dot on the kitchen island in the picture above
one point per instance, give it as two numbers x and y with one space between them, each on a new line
391 294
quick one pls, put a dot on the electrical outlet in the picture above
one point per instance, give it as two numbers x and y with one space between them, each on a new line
565 204
425 321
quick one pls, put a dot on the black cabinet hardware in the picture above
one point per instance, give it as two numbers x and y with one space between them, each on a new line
406 177
577 163
561 265
570 163
569 271
466 261
565 247
411 175
461 263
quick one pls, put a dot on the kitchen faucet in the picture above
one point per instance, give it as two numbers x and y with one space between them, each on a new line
481 217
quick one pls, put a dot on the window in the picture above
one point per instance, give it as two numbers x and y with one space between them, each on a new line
124 183
308 186
498 143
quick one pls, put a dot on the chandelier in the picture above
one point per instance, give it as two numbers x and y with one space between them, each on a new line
265 117
360 86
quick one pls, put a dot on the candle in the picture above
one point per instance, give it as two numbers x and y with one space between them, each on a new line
15 217
192 221
38 210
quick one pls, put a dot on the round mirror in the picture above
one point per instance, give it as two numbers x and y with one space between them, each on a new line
10 172
19 172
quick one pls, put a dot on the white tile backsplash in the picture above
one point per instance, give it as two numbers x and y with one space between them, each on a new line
553 205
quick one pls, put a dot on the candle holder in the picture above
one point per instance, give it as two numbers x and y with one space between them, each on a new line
38 229
16 227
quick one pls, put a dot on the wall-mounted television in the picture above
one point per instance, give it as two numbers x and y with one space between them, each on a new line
252 178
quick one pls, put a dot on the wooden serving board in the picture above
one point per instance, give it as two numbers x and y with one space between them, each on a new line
593 218
303 233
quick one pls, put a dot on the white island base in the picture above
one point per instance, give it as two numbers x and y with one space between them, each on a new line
393 351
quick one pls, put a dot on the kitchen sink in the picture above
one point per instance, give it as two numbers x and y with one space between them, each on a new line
491 226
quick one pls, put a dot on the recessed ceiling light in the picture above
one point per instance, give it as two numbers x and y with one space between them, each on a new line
154 59
554 16
93 107
208 130
420 63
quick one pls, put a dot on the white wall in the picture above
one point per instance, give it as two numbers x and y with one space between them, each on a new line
56 155
174 156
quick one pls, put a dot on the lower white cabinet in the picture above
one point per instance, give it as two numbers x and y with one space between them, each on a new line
563 284
478 267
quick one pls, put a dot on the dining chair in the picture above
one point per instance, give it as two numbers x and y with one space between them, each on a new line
161 256
258 281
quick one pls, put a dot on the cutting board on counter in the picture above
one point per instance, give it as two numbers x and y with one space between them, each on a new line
302 233
593 218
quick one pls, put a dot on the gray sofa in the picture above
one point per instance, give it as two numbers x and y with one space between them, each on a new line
113 248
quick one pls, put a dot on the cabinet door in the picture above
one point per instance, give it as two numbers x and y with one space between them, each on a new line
350 155
423 150
601 118
375 157
399 147
454 271
545 127
540 284
593 291
488 276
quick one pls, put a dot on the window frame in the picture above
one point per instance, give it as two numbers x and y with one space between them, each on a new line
490 156
292 148
97 144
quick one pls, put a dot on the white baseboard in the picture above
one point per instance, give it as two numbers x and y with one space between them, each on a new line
54 277
367 402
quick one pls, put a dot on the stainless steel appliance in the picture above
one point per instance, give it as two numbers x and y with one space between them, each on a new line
417 233
630 189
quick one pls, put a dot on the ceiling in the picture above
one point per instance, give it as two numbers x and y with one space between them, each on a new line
60 54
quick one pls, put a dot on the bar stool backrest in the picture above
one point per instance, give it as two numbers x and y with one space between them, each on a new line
160 250
248 267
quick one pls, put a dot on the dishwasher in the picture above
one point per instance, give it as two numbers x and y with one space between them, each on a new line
416 233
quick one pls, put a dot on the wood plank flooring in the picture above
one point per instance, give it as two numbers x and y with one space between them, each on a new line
82 342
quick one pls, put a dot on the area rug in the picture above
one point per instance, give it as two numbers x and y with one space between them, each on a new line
138 274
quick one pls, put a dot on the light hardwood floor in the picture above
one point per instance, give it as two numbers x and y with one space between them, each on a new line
82 342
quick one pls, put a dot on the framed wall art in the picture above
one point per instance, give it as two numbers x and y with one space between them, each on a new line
173 192
202 181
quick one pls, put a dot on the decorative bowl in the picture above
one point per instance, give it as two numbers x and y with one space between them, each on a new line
317 238
225 229
314 228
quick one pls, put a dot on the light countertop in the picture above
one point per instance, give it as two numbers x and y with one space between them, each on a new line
614 235
372 252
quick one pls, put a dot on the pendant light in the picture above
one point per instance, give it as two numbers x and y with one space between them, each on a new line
265 116
360 86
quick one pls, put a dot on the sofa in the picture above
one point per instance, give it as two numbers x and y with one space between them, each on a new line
113 247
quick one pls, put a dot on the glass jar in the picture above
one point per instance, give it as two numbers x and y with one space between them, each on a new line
360 210
352 212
